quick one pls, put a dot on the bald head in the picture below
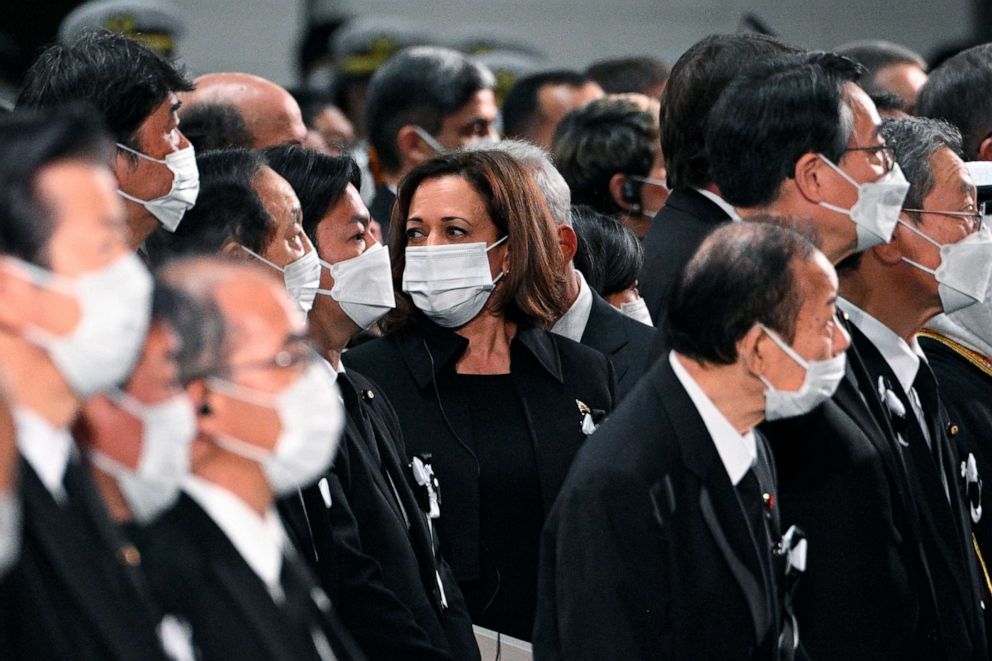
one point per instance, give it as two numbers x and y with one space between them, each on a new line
270 113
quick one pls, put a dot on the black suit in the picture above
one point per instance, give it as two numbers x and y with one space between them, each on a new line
687 218
551 374
381 208
199 576
648 552
946 530
374 554
843 481
623 340
72 593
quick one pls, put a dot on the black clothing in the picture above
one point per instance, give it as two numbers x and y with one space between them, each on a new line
76 591
381 208
842 480
505 596
649 552
199 576
683 223
372 548
554 380
945 527
625 341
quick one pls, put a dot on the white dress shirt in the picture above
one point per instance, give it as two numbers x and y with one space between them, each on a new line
720 202
10 530
45 448
738 453
902 358
573 323
260 540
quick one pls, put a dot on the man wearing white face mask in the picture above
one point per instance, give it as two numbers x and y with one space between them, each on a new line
75 312
134 90
940 259
364 527
677 482
797 138
268 420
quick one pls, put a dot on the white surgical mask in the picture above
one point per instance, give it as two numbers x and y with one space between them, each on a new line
819 384
878 207
450 283
363 286
964 269
311 419
171 207
302 276
637 310
168 429
115 306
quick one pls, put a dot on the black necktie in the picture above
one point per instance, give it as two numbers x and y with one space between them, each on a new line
925 385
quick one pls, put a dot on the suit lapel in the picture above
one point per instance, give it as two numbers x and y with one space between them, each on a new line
605 333
719 504
697 205
375 471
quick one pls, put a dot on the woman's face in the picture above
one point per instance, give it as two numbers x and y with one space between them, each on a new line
446 211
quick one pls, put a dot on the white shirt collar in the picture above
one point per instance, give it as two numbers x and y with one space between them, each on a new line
45 448
259 539
904 359
720 202
738 453
573 323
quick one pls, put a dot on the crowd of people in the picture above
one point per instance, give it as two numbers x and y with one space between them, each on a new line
630 363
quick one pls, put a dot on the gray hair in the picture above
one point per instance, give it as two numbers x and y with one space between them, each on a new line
915 141
536 161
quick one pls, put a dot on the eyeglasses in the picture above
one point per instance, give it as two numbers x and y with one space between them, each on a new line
976 219
298 352
884 153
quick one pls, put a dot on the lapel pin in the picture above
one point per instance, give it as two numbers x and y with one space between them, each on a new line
368 395
769 500
129 555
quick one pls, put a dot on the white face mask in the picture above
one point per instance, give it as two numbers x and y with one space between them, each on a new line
363 285
637 310
302 276
168 429
170 208
964 270
819 384
115 306
878 207
451 283
311 418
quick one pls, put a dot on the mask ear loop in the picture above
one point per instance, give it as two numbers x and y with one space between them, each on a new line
836 168
926 238
261 259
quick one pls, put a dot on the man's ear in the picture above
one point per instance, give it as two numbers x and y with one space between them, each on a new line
411 147
985 149
751 349
568 241
623 192
18 296
233 250
891 253
809 175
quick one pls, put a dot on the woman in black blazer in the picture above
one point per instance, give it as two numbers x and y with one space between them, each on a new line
499 404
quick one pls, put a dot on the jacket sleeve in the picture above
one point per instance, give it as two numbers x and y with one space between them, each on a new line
602 592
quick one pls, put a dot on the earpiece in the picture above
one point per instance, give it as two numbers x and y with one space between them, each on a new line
629 193
205 409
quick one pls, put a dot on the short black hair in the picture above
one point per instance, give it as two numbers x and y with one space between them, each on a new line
521 106
742 274
609 254
876 54
210 126
421 85
960 92
227 209
318 179
629 74
886 101
697 79
770 116
30 140
122 79
197 323
598 140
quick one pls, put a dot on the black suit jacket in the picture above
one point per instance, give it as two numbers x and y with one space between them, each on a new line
381 208
375 557
648 553
198 575
843 481
687 218
623 340
946 532
72 593
416 368
965 379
